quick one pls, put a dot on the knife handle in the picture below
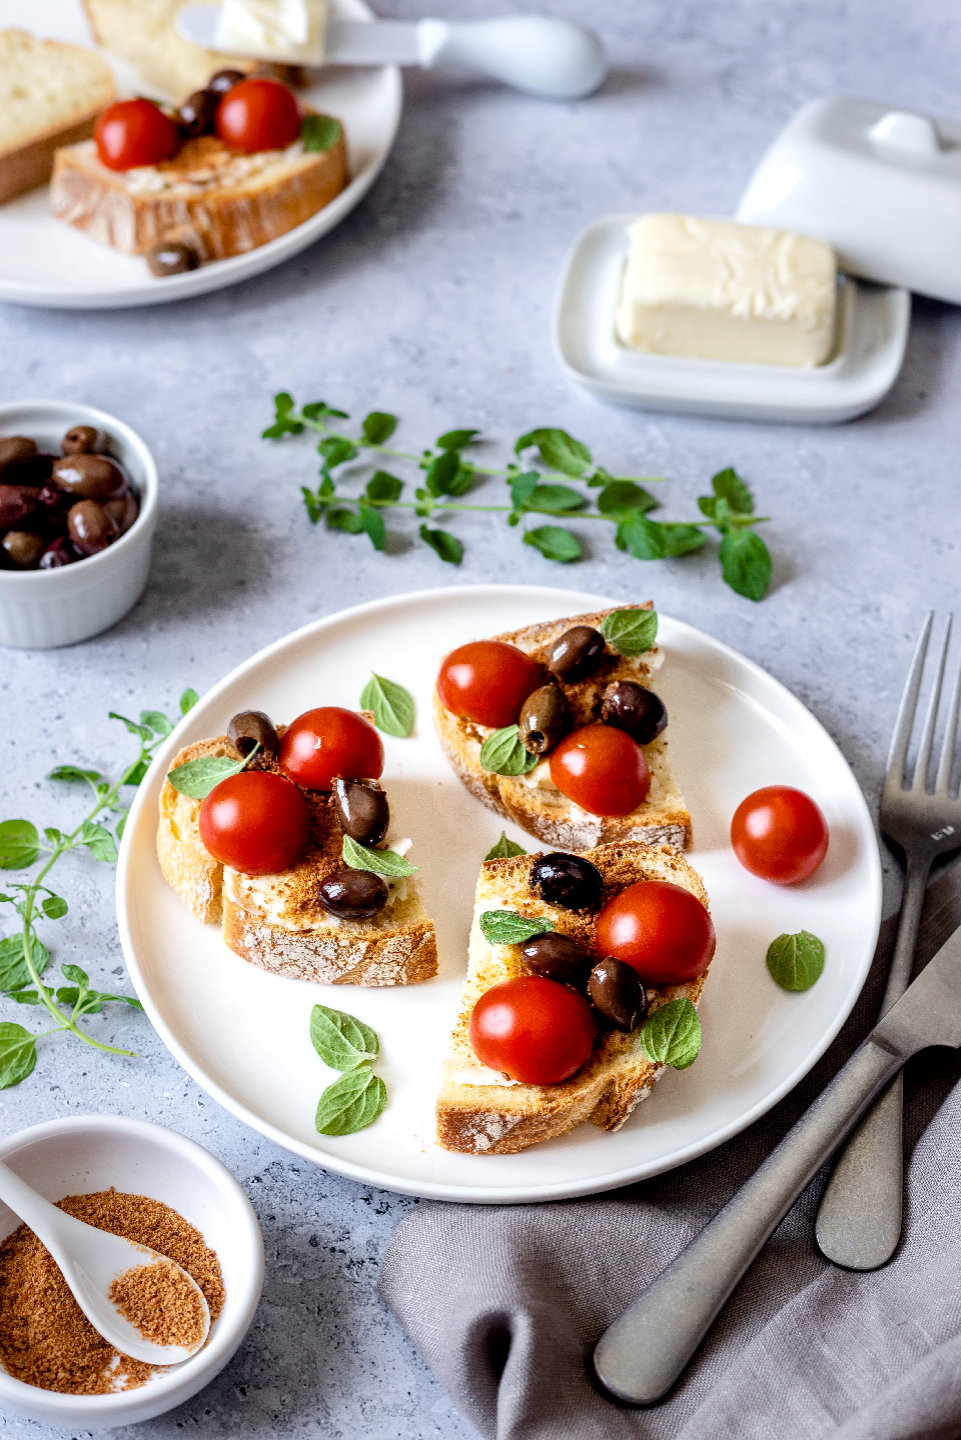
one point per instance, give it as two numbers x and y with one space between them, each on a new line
544 55
643 1353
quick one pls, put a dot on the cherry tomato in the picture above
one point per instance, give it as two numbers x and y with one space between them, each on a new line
536 1030
661 929
330 741
258 114
601 769
779 834
255 822
488 681
135 132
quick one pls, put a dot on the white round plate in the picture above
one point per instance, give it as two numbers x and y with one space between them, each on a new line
243 1035
46 262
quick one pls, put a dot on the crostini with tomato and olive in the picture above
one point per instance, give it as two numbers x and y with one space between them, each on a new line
557 728
284 837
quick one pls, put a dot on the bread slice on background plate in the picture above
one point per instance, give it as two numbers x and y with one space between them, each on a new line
277 921
482 1113
50 95
531 801
214 199
142 34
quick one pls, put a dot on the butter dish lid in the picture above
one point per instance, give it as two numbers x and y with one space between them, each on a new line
882 185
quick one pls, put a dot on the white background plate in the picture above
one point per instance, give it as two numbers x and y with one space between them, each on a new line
46 262
243 1035
872 334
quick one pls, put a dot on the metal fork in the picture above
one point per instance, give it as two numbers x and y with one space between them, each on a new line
859 1220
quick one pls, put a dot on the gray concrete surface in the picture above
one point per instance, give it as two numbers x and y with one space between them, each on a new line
434 300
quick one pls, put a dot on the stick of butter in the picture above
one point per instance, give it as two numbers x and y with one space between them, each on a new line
721 291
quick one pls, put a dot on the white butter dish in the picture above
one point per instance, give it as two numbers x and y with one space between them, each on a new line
883 186
872 333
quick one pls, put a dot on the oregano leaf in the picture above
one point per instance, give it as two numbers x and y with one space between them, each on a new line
672 1034
341 1040
630 632
505 927
351 1103
796 961
392 706
379 862
503 754
504 849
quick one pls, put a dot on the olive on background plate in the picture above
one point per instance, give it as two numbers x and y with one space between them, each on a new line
569 881
576 653
196 115
252 727
617 992
634 709
223 80
362 810
557 957
353 894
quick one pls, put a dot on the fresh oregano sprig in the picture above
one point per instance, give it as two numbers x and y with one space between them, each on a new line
23 956
357 1097
538 480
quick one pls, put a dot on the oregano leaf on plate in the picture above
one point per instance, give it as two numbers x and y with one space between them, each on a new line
392 706
197 778
503 754
630 632
341 1040
351 1103
504 849
672 1034
796 961
318 133
505 927
380 862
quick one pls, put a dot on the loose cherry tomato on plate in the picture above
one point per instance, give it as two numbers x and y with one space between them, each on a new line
258 114
135 132
255 822
330 741
661 929
487 681
602 769
536 1030
779 834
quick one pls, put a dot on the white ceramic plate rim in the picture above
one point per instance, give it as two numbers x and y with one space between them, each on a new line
500 1194
221 273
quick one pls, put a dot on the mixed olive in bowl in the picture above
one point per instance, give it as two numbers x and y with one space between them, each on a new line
57 509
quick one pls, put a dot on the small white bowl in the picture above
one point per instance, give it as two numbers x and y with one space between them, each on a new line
42 609
94 1152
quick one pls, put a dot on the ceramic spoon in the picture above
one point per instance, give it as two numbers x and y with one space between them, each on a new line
556 59
90 1259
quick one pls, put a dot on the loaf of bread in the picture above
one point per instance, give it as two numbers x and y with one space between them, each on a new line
216 200
277 921
532 801
50 95
142 34
481 1113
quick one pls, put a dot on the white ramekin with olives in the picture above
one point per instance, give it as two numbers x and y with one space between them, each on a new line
78 509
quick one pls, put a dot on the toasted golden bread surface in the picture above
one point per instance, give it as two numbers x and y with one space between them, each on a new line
531 801
500 1119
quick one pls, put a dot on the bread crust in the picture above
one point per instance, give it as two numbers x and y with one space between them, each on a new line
662 819
217 220
395 947
504 1119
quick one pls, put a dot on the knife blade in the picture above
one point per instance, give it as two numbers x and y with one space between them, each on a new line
639 1357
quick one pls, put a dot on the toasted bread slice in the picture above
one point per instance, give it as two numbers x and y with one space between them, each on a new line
50 95
210 197
482 1113
143 34
277 921
531 801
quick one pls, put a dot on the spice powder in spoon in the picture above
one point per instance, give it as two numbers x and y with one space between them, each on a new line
45 1338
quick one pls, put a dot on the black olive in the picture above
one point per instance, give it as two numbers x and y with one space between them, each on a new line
17 503
59 553
90 527
567 880
123 511
91 477
223 80
557 957
253 727
617 993
14 450
196 114
576 653
170 257
83 440
353 894
544 720
362 810
634 708
22 549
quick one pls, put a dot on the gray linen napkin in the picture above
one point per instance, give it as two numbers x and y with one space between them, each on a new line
505 1303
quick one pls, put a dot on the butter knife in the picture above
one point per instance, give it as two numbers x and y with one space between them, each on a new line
639 1358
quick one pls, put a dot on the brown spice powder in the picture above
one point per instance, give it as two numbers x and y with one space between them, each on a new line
45 1338
160 1302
